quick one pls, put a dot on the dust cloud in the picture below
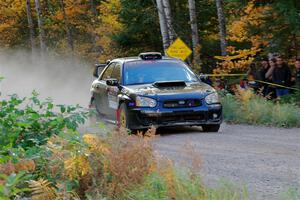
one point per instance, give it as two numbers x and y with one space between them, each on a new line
66 80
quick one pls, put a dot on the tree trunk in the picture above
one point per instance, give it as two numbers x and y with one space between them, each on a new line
163 24
40 25
167 10
30 24
194 27
67 26
222 26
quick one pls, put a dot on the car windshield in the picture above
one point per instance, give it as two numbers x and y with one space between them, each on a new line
146 72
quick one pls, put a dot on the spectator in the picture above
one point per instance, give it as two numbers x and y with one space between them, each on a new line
264 69
272 64
270 91
252 75
281 76
252 72
262 75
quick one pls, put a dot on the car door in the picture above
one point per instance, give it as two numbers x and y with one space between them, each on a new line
113 91
99 89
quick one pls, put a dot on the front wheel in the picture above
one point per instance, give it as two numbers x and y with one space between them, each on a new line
211 127
122 116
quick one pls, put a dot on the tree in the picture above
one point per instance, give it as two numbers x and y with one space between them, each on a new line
167 10
40 25
194 27
109 25
163 24
93 7
30 24
67 26
222 26
140 28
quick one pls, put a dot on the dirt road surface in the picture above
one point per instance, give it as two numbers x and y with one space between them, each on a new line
266 160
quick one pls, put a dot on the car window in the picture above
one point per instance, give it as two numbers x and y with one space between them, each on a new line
144 72
108 72
117 72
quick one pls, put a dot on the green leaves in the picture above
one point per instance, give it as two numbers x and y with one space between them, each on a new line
10 188
27 123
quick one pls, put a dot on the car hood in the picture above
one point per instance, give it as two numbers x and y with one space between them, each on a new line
191 90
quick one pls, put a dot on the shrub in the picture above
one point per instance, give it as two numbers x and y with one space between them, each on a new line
27 123
247 107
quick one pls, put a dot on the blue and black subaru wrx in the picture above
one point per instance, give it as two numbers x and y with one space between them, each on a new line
153 90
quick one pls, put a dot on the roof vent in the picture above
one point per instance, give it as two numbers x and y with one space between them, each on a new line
150 56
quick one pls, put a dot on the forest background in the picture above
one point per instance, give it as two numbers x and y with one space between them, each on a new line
97 30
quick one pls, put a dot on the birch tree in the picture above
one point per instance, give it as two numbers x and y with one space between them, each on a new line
194 27
67 26
30 24
169 21
42 35
222 26
163 24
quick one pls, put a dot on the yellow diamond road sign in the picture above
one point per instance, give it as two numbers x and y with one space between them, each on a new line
179 49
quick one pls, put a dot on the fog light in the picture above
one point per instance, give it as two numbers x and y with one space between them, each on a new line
215 115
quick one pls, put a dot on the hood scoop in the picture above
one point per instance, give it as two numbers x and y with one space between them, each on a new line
163 84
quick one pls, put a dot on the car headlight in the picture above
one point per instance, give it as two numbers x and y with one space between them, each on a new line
145 102
212 98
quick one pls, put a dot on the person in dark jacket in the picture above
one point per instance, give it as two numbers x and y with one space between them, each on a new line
281 76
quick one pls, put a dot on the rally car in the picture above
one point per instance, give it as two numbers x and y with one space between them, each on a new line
154 90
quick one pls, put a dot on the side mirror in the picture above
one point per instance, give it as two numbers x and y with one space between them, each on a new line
112 82
98 69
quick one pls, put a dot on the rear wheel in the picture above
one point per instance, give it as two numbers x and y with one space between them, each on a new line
211 127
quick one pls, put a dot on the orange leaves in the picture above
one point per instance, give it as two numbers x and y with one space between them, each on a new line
11 13
251 16
110 24
22 165
238 62
95 144
77 167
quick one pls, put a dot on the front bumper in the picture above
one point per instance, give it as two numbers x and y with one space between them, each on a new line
140 118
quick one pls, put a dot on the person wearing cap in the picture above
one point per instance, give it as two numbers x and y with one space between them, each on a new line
281 76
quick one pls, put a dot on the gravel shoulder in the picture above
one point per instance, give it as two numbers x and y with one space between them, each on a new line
266 160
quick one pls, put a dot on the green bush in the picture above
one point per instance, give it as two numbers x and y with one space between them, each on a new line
248 108
27 123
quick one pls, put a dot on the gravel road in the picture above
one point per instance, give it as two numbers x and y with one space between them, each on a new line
266 160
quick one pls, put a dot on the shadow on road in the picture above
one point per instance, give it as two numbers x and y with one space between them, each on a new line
178 130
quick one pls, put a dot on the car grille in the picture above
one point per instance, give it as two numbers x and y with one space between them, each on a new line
184 103
174 117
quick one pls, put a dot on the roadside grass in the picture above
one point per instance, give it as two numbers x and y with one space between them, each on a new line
248 108
43 157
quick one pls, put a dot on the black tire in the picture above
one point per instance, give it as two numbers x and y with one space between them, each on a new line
211 127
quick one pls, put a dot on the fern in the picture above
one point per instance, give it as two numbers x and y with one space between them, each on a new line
42 190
